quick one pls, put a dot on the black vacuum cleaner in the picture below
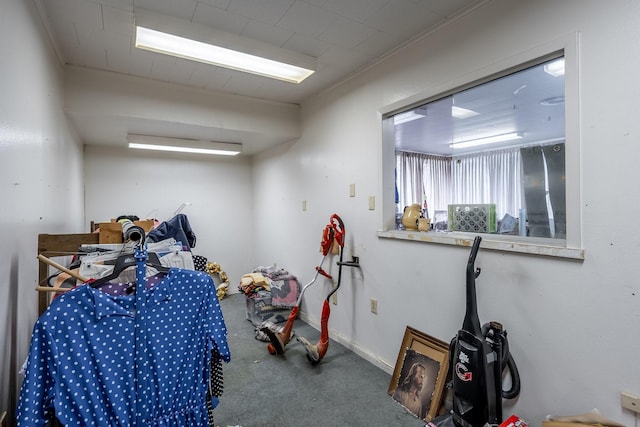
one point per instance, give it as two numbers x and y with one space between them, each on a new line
478 357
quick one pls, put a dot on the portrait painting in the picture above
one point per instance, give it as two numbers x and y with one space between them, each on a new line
419 377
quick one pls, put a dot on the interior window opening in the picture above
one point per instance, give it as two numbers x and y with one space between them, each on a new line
489 158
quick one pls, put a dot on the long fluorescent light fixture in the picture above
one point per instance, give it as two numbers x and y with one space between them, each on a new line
169 44
180 145
487 140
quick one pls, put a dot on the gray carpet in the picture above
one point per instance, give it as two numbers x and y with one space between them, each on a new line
286 390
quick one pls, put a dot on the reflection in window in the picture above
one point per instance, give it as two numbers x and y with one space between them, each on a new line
494 150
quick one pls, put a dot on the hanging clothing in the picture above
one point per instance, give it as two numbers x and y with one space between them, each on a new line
83 358
177 227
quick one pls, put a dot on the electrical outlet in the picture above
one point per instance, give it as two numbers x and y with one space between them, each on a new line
374 306
630 401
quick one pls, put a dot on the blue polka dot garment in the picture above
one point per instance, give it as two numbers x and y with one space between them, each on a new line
90 367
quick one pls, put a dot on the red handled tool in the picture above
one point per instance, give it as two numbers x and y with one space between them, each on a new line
334 231
315 352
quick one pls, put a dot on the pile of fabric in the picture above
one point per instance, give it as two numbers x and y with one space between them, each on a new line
271 292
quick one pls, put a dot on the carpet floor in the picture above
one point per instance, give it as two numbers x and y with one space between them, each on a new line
287 391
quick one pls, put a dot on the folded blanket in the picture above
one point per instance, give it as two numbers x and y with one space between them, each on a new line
252 283
285 292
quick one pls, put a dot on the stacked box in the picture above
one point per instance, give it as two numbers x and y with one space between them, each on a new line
473 218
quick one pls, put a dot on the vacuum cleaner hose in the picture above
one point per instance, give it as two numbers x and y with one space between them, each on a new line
496 332
514 391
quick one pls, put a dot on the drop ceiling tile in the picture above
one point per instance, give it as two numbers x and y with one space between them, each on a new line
306 19
88 35
89 56
75 11
269 12
344 36
220 19
319 3
346 33
267 33
179 8
403 19
117 62
208 76
117 20
285 94
141 62
222 4
357 10
180 71
162 67
115 41
307 45
378 44
66 37
118 51
241 82
126 5
338 58
448 8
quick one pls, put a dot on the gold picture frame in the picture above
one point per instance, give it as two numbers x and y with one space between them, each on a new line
422 356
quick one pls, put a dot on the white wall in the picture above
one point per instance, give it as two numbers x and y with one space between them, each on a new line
128 182
573 326
40 178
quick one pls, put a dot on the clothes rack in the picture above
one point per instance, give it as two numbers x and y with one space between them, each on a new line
56 245
178 341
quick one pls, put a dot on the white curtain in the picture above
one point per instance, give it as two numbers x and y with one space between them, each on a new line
489 177
420 175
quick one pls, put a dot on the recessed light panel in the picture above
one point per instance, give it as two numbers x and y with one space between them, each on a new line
181 47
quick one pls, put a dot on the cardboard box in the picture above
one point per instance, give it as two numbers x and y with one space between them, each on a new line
566 424
592 419
111 232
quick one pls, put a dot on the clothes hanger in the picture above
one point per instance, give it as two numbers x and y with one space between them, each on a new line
127 260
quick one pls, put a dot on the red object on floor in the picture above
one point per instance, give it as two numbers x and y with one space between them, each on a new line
514 421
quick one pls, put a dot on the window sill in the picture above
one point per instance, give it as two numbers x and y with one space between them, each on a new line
532 246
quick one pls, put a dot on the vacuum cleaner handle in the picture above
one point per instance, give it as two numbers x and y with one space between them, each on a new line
472 258
471 321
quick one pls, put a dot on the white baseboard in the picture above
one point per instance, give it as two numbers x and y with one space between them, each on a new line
357 349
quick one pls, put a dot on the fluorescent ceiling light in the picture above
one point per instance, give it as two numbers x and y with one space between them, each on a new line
168 44
181 145
408 116
486 140
555 68
462 113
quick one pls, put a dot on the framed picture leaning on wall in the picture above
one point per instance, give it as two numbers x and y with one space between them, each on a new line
420 373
